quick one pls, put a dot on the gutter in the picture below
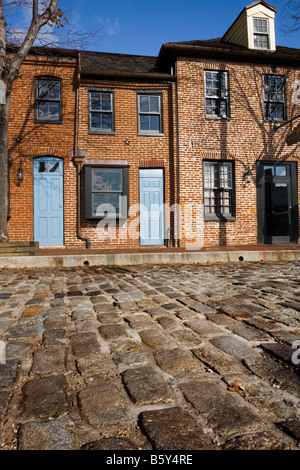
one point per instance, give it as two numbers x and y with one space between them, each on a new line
144 76
78 161
177 168
242 55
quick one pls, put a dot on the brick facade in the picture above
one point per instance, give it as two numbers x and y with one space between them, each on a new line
244 138
138 150
28 140
187 140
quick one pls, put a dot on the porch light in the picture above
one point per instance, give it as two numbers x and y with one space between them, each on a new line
20 173
246 177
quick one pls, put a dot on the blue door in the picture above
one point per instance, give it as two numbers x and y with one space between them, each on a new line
48 174
151 207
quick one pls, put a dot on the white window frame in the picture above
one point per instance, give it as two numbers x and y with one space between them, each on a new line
261 33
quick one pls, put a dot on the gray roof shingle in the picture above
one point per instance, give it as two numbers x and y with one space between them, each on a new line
109 62
218 43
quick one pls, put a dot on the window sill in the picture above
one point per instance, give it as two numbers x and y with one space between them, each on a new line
108 217
217 118
143 134
256 48
275 121
46 121
220 218
94 132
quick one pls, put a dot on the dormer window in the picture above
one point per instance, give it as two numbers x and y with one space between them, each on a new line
261 33
254 28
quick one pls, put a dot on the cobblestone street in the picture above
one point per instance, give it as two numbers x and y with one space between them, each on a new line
199 357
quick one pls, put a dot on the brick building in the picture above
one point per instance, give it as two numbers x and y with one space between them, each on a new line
186 149
41 134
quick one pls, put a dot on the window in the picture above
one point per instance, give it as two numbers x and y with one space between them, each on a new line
107 192
48 100
48 167
101 112
274 98
261 33
218 191
216 95
149 114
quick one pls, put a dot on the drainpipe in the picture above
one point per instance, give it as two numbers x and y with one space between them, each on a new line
177 228
10 162
78 161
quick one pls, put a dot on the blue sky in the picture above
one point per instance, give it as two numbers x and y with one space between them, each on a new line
142 26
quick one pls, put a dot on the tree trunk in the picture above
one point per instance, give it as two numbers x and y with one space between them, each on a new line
4 168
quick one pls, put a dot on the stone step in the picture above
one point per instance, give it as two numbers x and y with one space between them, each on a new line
19 248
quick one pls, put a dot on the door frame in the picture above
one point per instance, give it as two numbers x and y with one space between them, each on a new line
163 198
41 159
291 180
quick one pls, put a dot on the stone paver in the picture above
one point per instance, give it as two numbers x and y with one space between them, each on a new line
181 432
151 358
146 387
102 406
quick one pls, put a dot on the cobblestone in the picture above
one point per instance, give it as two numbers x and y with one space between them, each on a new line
151 357
146 387
102 406
174 429
223 411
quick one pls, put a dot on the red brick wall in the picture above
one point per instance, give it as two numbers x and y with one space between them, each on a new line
28 140
139 151
244 138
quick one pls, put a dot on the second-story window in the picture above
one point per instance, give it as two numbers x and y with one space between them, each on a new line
261 33
149 114
101 112
274 98
216 94
48 100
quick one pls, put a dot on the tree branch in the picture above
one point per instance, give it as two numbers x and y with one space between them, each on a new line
35 9
2 40
36 24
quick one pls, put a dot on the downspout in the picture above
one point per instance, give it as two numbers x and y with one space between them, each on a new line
177 229
10 162
78 161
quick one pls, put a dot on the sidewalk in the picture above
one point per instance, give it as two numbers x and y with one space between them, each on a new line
61 257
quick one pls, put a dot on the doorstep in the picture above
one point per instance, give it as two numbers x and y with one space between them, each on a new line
66 258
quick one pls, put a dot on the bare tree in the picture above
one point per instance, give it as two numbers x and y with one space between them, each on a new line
291 12
45 16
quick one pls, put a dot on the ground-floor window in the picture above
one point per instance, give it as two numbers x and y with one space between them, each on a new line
218 180
107 192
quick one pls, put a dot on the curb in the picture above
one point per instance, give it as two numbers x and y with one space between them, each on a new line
128 259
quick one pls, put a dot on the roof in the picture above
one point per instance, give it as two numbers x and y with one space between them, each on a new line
222 50
219 43
45 51
122 63
262 2
259 2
